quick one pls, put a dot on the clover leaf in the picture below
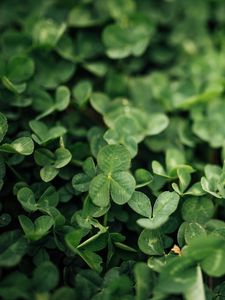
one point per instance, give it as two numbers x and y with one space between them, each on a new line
42 134
13 248
46 33
51 162
206 124
143 177
82 92
27 199
80 16
3 126
197 209
140 203
125 131
81 181
62 100
164 206
20 68
45 276
150 242
38 229
121 43
174 159
23 146
112 149
114 179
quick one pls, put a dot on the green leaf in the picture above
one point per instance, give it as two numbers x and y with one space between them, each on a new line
130 39
119 9
195 190
143 177
93 260
23 146
80 17
27 225
164 206
100 102
125 131
192 231
144 287
46 33
178 276
184 176
114 137
43 157
81 182
20 68
113 158
73 239
3 126
43 134
62 157
214 264
97 68
150 242
174 158
198 209
12 87
99 190
13 247
64 293
49 198
122 187
158 169
27 199
48 173
197 290
82 92
62 98
141 204
157 123
89 167
45 277
202 247
38 229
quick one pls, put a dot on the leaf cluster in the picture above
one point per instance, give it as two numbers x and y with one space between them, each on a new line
112 150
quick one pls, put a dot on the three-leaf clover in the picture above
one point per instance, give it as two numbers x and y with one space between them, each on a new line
130 37
164 206
62 100
213 181
38 229
113 180
51 162
42 134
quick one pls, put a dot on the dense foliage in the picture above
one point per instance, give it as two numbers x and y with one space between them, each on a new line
112 148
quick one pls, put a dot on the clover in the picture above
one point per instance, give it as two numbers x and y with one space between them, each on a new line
128 125
119 41
43 134
21 146
176 167
18 71
213 181
113 181
50 162
164 206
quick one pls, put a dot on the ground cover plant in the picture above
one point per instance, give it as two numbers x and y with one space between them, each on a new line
112 149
